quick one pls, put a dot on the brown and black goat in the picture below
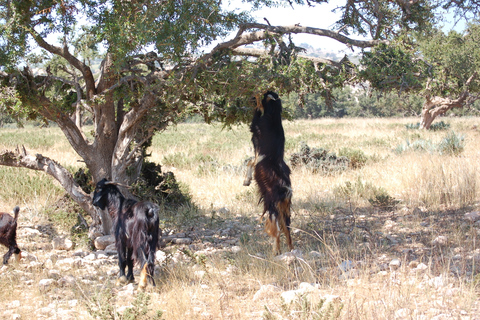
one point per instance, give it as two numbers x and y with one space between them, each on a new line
8 234
271 172
136 227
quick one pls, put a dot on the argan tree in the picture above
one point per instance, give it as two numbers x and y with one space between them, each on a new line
132 68
443 68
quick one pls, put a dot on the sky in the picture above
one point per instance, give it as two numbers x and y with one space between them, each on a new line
320 16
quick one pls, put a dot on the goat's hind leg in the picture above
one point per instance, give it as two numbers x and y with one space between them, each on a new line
130 277
148 269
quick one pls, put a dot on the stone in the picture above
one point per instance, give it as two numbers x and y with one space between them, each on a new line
102 242
394 264
182 241
473 216
45 284
61 243
440 241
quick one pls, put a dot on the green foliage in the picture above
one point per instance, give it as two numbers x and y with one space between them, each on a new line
140 309
381 199
388 67
357 158
451 144
101 305
420 145
360 189
437 126
304 308
158 187
318 160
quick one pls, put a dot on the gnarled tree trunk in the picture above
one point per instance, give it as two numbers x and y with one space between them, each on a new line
436 106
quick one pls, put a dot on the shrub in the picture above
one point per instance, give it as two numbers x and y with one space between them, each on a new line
452 144
357 157
437 126
318 160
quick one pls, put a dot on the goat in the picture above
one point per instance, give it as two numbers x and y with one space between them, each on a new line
271 172
8 234
136 227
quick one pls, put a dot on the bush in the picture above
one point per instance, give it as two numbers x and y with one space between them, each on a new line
437 126
357 157
318 160
452 144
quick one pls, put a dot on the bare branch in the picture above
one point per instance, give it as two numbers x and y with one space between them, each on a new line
260 52
21 159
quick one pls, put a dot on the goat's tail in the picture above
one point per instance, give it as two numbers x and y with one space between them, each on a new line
16 210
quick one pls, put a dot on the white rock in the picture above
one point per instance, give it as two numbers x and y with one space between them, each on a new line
472 216
224 211
402 313
160 256
102 242
394 264
45 284
61 243
235 249
14 304
440 241
66 281
421 267
182 241
90 257
265 291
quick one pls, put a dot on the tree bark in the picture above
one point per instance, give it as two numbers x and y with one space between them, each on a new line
435 106
21 159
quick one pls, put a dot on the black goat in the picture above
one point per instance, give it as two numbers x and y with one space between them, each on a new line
8 235
272 174
136 226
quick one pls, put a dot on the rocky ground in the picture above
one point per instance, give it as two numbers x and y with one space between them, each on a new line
57 280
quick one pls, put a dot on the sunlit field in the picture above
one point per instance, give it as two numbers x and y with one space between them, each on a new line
391 236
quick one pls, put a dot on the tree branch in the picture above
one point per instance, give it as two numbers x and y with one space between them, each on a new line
20 159
63 52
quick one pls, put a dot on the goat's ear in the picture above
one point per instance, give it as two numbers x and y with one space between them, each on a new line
117 184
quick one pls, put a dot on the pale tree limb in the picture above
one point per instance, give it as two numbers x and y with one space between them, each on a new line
19 158
435 106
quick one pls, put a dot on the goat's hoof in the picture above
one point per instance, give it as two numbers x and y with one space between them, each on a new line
145 287
121 281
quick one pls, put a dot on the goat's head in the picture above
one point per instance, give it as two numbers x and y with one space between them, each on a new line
102 190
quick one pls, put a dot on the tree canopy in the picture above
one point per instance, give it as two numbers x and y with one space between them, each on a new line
134 67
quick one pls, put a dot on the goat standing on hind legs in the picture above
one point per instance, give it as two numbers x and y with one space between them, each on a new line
271 172
8 234
136 226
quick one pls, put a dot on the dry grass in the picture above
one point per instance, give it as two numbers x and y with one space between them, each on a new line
334 222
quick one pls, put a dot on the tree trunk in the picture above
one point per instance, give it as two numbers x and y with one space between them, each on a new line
435 106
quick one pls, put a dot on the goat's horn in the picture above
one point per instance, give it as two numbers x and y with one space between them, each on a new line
271 97
117 184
